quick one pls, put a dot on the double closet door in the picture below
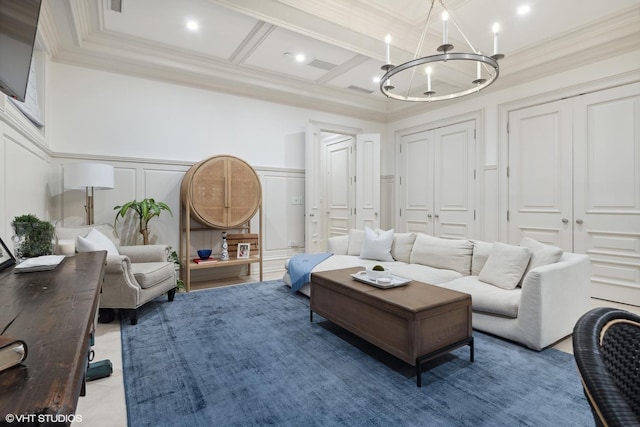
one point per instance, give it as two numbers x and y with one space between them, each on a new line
437 182
574 182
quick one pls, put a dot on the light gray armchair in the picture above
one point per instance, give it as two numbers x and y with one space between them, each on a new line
132 278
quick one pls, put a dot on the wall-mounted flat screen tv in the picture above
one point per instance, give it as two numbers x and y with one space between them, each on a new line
18 27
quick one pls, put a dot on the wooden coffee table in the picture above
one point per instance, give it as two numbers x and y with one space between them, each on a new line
416 322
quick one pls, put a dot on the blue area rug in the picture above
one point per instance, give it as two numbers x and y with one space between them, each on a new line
247 355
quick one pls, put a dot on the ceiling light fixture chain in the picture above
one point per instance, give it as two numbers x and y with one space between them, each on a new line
445 60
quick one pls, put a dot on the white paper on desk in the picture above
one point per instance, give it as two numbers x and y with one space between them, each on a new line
41 263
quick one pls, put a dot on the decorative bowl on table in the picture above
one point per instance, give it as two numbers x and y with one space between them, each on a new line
204 253
376 274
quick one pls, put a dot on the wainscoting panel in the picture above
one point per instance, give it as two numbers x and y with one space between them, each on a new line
283 217
387 201
164 185
489 216
282 207
26 187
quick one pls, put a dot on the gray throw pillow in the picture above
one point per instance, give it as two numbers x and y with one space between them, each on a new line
505 266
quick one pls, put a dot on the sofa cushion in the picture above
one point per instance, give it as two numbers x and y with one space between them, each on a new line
149 274
481 251
356 238
96 241
449 254
338 245
402 246
377 246
541 254
424 273
486 297
505 266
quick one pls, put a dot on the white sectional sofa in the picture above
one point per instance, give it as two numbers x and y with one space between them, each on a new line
532 294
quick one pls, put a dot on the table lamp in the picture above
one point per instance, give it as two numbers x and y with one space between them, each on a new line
90 176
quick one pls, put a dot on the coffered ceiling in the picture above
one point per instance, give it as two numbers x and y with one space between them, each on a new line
249 47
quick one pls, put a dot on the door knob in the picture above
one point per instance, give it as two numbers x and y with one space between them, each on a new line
579 221
437 216
565 221
312 214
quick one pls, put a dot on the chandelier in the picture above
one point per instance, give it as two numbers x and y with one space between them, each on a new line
472 71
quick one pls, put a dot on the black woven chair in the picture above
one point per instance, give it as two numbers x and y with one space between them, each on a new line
606 346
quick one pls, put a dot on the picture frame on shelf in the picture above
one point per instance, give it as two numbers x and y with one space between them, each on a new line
243 250
6 257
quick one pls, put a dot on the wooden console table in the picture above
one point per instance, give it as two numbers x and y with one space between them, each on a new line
54 313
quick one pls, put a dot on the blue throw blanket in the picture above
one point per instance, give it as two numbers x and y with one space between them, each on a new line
300 267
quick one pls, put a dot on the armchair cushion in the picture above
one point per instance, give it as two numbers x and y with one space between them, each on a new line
149 274
146 253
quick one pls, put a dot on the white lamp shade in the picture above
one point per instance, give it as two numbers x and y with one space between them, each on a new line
82 175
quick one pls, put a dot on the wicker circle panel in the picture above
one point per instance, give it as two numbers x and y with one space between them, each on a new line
222 192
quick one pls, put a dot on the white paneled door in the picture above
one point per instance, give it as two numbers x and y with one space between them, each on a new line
339 189
367 207
437 181
313 192
342 184
455 181
574 182
607 190
416 182
541 174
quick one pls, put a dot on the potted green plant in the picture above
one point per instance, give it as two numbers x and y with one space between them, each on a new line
175 258
146 210
32 237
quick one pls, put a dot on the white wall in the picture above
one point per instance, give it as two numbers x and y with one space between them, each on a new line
25 178
99 113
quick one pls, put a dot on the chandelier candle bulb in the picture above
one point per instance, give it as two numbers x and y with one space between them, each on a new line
478 70
445 27
387 40
496 28
428 79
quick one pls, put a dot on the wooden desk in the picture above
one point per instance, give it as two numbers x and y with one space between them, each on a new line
54 313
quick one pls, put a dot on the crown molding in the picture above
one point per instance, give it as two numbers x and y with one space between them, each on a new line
220 76
85 42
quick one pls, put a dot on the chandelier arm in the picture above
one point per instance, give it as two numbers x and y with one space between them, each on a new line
458 27
419 47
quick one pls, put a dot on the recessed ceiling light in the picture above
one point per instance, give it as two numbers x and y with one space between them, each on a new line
300 57
376 79
192 25
524 9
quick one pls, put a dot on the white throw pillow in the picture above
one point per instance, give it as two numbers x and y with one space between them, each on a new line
450 254
377 246
481 251
356 237
541 254
505 266
402 246
96 241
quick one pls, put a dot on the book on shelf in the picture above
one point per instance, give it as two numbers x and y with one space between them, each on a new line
205 261
12 352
